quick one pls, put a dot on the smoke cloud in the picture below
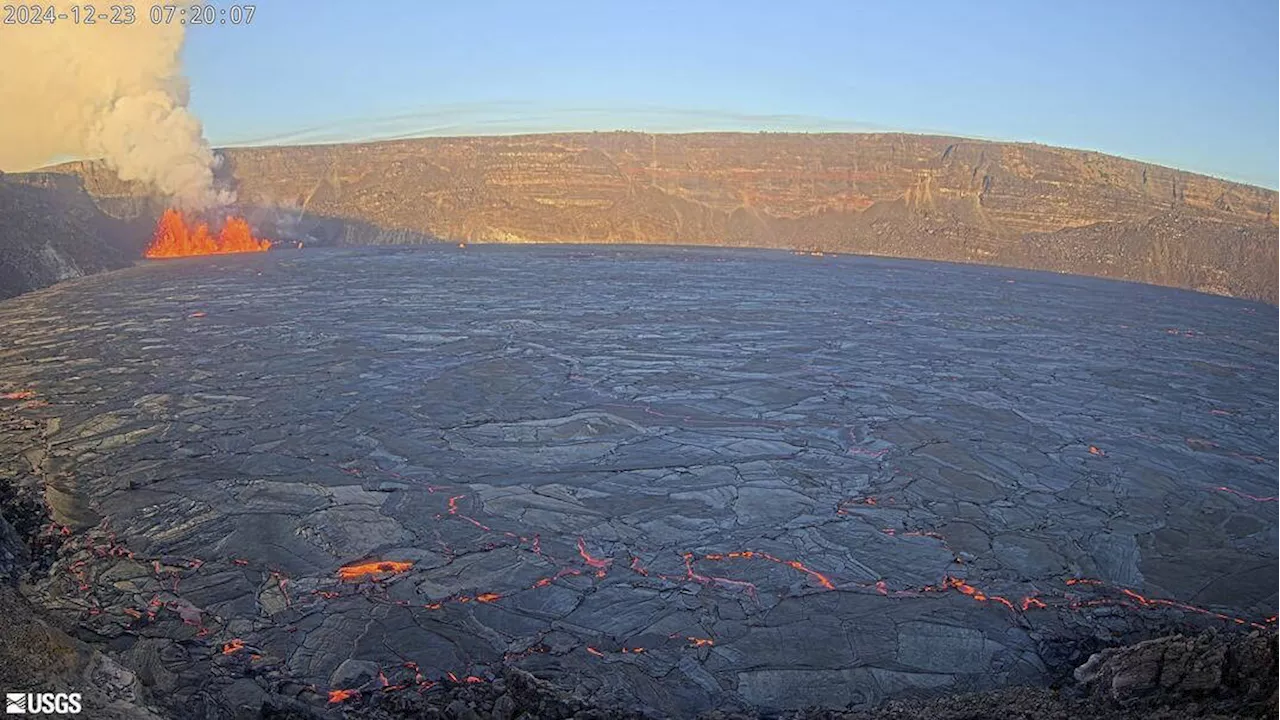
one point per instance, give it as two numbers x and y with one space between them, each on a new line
106 91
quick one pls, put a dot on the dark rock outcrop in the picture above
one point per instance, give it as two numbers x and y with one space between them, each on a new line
38 657
1170 249
51 230
1189 669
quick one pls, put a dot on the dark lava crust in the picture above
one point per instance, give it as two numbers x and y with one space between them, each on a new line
654 481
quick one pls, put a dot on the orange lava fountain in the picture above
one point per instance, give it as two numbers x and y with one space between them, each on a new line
175 237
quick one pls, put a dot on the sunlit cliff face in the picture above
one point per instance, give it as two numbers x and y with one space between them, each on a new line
175 236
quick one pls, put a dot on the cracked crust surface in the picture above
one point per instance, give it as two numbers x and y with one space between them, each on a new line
668 479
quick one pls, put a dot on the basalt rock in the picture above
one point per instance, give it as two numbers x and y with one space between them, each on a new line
37 656
1203 667
14 556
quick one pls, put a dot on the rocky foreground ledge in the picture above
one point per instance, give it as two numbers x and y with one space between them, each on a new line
661 481
1209 676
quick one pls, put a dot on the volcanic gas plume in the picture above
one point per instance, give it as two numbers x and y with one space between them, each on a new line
175 236
105 90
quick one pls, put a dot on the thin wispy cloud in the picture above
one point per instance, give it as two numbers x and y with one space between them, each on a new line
508 118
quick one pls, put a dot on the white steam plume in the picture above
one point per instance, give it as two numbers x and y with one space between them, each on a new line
106 91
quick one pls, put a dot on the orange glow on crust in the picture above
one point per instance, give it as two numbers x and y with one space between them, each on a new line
565 572
1125 598
637 568
1143 601
951 583
371 569
601 565
337 696
1247 496
691 574
453 510
818 577
176 237
842 507
1078 593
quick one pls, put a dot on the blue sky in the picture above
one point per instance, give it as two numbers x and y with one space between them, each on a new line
1187 84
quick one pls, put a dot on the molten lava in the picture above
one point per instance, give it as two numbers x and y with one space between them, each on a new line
373 569
176 237
953 583
337 696
600 564
821 579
